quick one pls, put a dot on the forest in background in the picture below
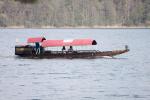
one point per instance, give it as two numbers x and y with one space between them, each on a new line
74 13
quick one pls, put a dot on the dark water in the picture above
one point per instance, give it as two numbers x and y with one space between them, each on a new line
127 77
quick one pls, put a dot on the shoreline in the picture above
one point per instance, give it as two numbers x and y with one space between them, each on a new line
80 27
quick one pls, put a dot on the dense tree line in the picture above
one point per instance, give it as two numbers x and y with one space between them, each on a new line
74 13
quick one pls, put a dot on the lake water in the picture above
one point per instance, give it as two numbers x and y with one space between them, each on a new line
125 77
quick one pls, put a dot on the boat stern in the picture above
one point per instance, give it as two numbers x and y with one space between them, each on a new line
23 50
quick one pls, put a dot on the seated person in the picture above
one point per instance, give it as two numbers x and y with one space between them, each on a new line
63 48
70 49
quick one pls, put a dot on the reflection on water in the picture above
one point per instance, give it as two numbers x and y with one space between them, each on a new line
126 77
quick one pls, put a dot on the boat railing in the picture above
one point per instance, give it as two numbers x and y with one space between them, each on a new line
74 51
80 51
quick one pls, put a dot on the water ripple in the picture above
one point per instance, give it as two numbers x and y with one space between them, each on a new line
91 98
118 95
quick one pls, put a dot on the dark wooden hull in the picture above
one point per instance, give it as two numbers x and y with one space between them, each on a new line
28 53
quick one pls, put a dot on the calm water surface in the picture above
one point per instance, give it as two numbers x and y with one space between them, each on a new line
126 77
